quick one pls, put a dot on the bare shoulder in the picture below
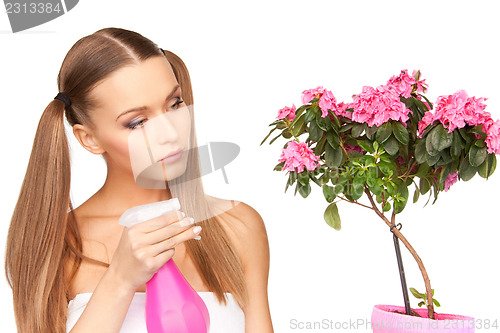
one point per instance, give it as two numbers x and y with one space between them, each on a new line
244 226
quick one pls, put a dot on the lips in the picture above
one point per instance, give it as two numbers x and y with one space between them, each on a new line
172 156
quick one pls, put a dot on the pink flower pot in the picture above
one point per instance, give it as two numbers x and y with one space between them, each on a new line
383 320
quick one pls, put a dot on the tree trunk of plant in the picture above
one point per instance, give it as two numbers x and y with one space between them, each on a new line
427 282
430 303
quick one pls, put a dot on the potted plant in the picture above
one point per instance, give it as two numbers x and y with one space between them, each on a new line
387 140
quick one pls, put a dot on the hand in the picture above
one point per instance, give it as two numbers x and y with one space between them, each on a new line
145 247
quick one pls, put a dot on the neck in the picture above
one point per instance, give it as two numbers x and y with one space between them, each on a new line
120 192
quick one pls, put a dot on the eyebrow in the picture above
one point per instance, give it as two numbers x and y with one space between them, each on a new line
141 108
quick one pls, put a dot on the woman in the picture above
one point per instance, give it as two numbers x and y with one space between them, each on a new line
82 260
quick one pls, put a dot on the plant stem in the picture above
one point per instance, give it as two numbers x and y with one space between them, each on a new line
427 282
355 202
409 170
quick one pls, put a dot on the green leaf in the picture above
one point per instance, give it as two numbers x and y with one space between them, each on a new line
268 135
457 145
279 166
445 171
299 127
416 293
432 160
478 130
416 195
371 178
323 123
480 143
346 127
400 205
316 180
333 157
436 302
422 303
287 134
357 189
477 155
387 207
337 121
319 149
427 100
277 136
332 216
391 145
366 145
400 132
384 132
329 193
386 168
304 190
467 171
425 186
423 170
357 129
309 116
488 167
429 147
315 133
464 134
370 132
420 153
437 140
303 177
300 110
333 139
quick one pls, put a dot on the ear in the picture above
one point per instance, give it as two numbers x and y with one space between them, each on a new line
86 139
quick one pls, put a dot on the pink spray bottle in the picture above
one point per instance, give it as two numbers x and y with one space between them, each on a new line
172 305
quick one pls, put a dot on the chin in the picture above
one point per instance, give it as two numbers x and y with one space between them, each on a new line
153 177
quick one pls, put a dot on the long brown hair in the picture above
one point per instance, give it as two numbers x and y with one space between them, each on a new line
43 234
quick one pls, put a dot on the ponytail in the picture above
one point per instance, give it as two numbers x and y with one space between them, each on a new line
37 233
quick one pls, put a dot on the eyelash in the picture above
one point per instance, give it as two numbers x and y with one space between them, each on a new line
132 125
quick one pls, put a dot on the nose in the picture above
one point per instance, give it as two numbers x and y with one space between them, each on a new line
161 129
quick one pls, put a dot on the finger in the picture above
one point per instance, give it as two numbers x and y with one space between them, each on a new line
168 231
163 257
175 240
160 221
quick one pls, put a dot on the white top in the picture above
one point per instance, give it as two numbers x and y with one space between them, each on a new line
223 319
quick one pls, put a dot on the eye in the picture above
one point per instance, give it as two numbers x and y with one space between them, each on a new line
134 125
176 104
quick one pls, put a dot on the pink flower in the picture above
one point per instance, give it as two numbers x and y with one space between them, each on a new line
310 94
450 180
493 137
402 84
297 155
341 110
376 106
458 110
287 111
426 121
326 99
421 85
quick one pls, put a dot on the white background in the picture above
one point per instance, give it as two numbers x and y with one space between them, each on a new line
248 60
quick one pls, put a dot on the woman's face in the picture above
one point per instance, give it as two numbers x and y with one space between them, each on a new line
141 118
